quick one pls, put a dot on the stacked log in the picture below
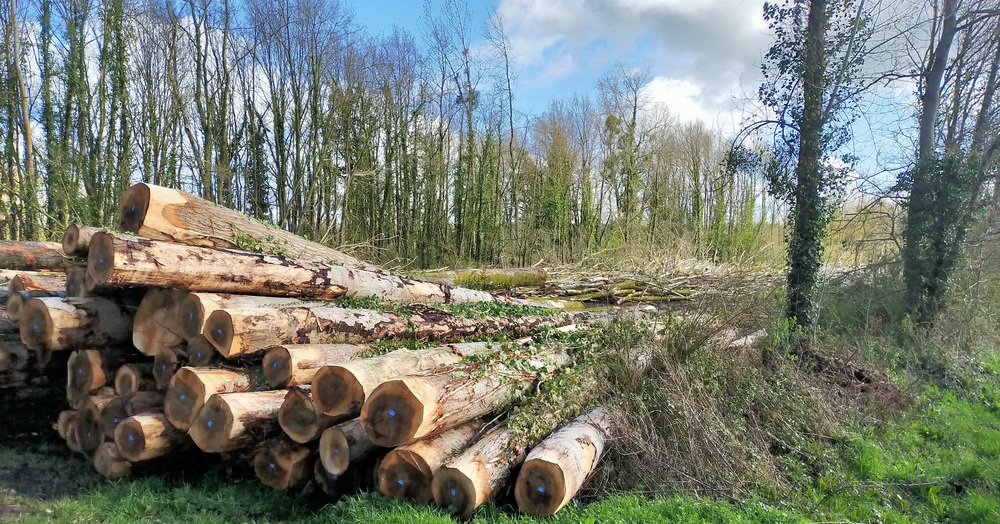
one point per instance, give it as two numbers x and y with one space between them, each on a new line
187 342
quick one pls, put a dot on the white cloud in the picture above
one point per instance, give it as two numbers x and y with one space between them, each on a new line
559 68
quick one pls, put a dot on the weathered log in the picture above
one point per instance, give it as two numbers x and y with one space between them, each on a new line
477 474
281 464
196 307
88 421
344 444
65 421
232 421
90 369
556 469
16 300
76 281
165 364
67 323
340 390
191 388
38 282
125 406
134 377
240 331
148 436
76 239
156 322
168 214
406 472
109 463
33 256
296 364
299 418
130 261
415 406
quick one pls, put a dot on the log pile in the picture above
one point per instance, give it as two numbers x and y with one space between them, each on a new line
181 342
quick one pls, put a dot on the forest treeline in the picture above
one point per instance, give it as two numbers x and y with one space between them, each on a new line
407 145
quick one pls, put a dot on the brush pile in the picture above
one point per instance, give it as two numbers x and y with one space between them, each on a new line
213 333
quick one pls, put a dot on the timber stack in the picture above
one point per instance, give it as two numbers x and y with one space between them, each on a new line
211 333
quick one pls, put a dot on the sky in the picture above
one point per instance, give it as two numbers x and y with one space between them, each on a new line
700 53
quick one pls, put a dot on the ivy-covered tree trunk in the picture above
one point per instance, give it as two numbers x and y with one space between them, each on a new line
805 245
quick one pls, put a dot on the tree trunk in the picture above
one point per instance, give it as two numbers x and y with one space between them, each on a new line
88 420
168 214
478 473
76 239
130 261
236 420
281 464
156 324
131 378
33 256
16 300
296 364
341 390
416 406
59 324
196 307
344 444
109 463
556 469
125 406
147 436
38 282
406 472
299 418
191 388
241 331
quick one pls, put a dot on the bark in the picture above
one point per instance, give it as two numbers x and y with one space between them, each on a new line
296 364
191 388
147 436
477 474
556 469
406 472
131 261
16 300
76 239
344 444
156 324
168 214
233 421
109 463
341 390
241 331
281 464
59 324
125 406
38 282
33 256
416 406
299 418
131 378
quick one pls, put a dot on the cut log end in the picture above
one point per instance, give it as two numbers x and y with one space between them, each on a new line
335 450
100 260
88 428
76 281
85 373
127 380
281 465
165 364
112 415
540 488
191 315
14 304
336 392
212 427
278 367
454 491
35 325
130 439
145 437
185 398
298 418
200 352
390 416
405 476
219 331
133 207
109 462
